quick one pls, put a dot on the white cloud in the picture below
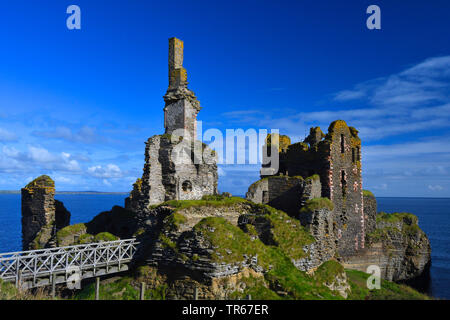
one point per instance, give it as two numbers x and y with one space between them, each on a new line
107 172
7 136
84 135
36 158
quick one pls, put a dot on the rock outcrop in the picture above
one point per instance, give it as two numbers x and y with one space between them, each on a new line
398 246
42 215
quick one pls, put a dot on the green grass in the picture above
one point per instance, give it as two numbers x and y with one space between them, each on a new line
290 236
388 291
8 291
70 230
174 221
328 271
367 193
408 218
317 204
409 226
124 288
167 242
185 204
121 289
105 236
225 237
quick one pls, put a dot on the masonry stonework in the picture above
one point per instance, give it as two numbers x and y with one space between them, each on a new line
177 165
334 160
42 215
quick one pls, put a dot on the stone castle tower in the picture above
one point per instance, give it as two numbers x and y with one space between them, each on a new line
176 168
322 166
182 107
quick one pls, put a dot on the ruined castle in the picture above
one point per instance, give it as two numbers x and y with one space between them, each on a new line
326 167
307 209
177 165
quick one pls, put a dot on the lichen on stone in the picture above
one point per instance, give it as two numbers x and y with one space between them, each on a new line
43 181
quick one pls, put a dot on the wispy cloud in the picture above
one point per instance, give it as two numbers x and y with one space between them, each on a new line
7 136
413 102
84 135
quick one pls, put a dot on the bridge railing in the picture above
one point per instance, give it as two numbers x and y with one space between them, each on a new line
36 263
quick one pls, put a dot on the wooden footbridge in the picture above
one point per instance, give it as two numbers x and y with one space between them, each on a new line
71 264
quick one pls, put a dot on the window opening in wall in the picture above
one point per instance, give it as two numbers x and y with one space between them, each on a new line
265 197
187 186
343 183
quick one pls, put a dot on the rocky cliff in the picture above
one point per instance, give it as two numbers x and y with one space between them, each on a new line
396 244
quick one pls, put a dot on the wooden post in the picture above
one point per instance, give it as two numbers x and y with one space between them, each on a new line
142 295
195 293
97 288
53 286
249 297
19 280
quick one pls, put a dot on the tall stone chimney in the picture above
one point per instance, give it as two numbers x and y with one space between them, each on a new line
182 107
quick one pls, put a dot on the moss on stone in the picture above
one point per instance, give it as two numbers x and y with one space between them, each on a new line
231 244
174 221
289 234
105 236
282 144
43 181
313 177
184 204
327 271
337 125
139 232
71 230
367 193
167 242
317 204
354 132
86 238
405 217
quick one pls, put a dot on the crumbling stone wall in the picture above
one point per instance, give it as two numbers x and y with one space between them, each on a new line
284 193
320 223
170 173
335 158
42 215
370 212
182 107
177 166
345 186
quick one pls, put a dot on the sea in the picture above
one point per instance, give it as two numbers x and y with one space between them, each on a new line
433 213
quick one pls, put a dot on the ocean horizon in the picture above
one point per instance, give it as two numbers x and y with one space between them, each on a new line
433 214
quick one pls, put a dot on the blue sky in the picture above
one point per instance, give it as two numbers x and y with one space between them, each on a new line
79 104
